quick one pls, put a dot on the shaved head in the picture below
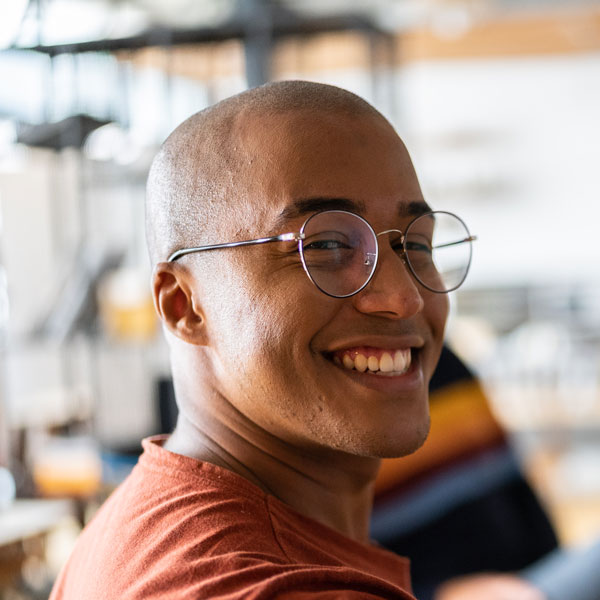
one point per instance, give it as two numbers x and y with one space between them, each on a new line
200 175
252 338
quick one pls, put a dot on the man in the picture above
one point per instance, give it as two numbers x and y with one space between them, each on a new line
300 357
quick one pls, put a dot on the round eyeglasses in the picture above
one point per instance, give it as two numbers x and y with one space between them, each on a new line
339 250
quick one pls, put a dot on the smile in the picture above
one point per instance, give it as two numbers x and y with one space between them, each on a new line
376 361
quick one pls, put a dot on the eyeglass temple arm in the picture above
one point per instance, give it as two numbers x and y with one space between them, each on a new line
284 237
471 238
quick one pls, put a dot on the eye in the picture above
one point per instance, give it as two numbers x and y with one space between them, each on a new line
326 245
329 250
416 246
328 240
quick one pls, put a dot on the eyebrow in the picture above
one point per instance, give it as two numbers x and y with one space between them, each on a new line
415 208
305 206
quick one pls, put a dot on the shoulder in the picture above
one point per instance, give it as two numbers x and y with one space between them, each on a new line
171 510
165 526
179 529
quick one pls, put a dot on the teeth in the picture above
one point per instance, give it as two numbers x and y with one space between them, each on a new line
386 363
390 362
360 363
401 360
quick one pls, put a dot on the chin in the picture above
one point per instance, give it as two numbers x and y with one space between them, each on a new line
406 436
390 445
406 447
403 446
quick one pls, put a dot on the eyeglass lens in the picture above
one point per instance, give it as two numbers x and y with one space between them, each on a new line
340 249
438 250
339 252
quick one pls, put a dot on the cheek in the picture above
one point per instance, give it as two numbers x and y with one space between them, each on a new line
440 309
262 324
261 364
259 328
436 313
270 307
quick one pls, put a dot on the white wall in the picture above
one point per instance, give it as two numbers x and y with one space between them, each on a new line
514 146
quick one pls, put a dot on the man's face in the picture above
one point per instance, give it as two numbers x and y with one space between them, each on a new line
279 348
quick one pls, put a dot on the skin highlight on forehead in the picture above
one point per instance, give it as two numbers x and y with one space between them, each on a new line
303 162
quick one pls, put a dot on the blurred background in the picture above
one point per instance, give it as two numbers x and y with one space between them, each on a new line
498 102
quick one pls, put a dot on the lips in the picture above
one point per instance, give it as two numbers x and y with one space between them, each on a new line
373 360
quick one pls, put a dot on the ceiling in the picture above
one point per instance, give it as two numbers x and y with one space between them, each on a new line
27 23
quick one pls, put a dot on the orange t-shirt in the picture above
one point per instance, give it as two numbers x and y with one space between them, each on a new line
180 528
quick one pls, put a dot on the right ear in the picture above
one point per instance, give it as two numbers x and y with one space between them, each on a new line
177 304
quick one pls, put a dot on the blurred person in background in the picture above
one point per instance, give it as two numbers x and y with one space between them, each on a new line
295 277
460 504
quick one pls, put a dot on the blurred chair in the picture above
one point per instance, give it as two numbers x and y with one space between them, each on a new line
460 504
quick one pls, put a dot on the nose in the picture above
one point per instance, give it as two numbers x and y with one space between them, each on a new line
392 292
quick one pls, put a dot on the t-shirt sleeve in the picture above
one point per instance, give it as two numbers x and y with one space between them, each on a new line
314 583
259 579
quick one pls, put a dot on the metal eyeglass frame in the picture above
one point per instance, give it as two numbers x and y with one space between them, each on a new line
300 237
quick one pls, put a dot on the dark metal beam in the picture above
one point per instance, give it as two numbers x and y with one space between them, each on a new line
282 26
258 42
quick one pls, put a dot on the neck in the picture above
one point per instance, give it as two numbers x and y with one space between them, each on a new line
332 487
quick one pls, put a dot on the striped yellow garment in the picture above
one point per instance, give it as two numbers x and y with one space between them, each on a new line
462 425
